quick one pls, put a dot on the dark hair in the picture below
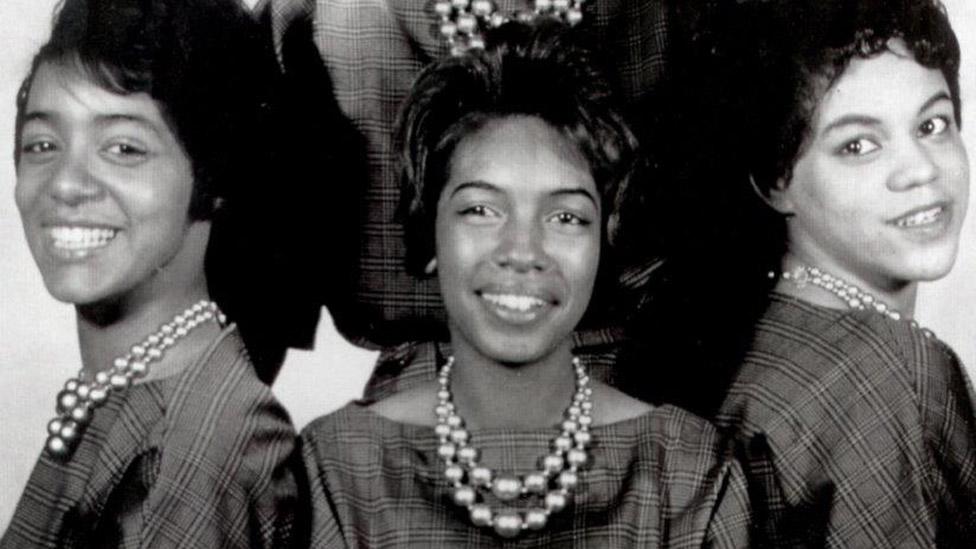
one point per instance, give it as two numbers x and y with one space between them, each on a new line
786 55
200 59
747 80
539 69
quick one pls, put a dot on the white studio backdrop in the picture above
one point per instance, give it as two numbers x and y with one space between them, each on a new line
38 348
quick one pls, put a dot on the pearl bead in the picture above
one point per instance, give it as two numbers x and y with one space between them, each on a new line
454 473
443 395
153 339
460 4
468 454
467 23
552 463
98 395
441 411
506 488
139 368
508 524
481 7
443 8
576 457
81 414
573 411
481 514
138 351
574 16
536 482
454 421
54 426
585 421
68 431
542 5
481 476
66 401
446 451
476 43
567 480
560 4
582 437
562 443
119 381
154 354
555 501
535 519
459 436
181 331
168 341
442 430
570 426
56 446
71 385
83 391
497 20
464 495
101 378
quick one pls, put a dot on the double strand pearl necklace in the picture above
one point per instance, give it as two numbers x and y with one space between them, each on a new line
463 22
76 403
854 297
549 488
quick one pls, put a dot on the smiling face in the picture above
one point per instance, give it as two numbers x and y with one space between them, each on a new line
880 191
517 239
103 188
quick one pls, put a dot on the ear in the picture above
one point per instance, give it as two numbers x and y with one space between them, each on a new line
431 267
777 198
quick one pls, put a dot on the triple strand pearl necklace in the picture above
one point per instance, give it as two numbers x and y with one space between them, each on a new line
80 397
854 297
549 488
464 22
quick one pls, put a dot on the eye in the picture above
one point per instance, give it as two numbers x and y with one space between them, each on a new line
38 147
858 147
934 126
478 213
123 149
569 218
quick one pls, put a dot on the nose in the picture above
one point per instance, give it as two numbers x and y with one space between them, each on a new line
522 247
917 166
72 181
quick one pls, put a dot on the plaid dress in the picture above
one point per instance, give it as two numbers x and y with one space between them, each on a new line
373 50
862 431
659 480
198 459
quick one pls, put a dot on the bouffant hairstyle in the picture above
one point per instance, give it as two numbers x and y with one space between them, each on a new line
541 69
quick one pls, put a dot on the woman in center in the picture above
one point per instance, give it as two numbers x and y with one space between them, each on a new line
513 159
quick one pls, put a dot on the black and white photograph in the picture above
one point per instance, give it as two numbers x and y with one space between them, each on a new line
487 273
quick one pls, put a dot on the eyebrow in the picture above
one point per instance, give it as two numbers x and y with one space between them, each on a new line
101 119
863 120
484 185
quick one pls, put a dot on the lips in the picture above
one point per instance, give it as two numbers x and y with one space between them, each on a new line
517 305
515 302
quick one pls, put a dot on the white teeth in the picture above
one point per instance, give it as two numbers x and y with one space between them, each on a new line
921 218
80 238
521 303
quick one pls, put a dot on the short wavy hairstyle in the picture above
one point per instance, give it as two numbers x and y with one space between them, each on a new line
541 69
201 60
786 54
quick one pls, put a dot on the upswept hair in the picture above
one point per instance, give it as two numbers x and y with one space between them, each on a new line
540 69
202 60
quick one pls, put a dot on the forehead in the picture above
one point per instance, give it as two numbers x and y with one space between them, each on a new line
886 86
63 93
519 150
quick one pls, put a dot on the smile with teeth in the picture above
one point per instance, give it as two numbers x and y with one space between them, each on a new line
515 302
921 218
73 238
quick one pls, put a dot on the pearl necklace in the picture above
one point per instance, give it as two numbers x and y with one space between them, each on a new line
854 297
80 397
463 22
473 482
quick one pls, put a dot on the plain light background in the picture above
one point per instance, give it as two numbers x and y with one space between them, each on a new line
38 347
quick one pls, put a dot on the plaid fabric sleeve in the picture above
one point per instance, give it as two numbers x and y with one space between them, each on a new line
225 476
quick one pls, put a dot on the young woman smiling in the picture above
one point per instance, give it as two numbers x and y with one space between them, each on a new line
513 157
860 423
134 119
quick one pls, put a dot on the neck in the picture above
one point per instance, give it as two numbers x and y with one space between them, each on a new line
899 296
489 394
108 330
